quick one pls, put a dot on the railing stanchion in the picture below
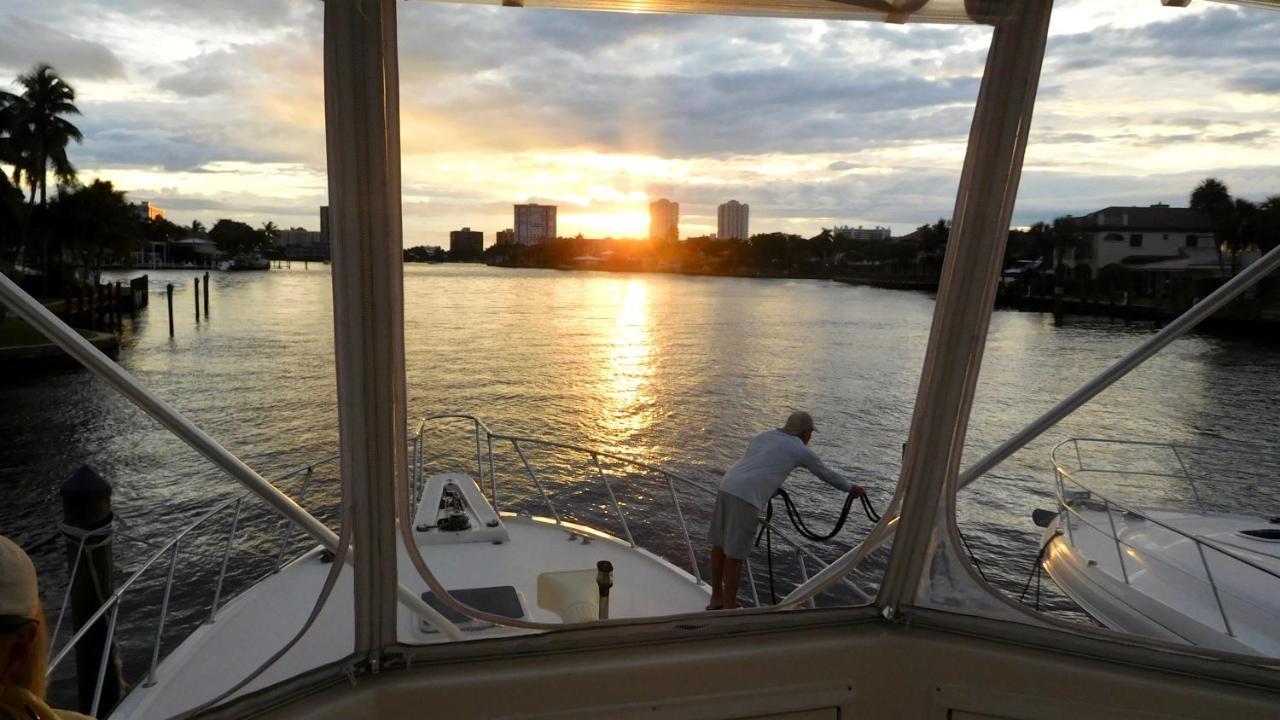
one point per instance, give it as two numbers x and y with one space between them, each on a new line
1194 490
66 596
1062 499
804 576
1079 462
493 477
102 666
479 464
1214 586
1115 537
226 555
288 535
751 579
693 557
616 507
534 476
164 613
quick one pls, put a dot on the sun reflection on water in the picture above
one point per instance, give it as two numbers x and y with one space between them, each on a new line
626 371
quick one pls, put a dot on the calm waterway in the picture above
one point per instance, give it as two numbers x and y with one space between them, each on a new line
675 370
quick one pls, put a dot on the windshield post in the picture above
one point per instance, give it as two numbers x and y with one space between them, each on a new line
363 143
966 293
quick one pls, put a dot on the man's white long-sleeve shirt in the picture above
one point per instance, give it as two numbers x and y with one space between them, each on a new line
770 458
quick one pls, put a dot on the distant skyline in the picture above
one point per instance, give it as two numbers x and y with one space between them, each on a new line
214 110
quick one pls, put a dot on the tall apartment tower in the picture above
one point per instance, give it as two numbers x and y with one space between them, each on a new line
535 223
731 221
664 220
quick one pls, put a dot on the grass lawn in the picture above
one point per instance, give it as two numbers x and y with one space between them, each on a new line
15 332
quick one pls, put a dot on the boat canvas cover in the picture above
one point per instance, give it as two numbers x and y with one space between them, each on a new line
986 12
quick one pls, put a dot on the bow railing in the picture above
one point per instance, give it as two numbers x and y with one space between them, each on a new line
1081 503
592 469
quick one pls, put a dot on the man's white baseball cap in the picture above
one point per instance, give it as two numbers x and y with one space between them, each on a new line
19 596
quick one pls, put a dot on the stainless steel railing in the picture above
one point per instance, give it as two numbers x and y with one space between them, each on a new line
167 555
485 468
1071 476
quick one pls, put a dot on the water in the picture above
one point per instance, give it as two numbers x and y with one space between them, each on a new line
677 371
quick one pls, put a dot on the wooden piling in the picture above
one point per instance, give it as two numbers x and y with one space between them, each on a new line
206 295
87 516
168 291
197 300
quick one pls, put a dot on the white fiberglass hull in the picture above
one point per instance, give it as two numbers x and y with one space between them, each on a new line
1163 584
260 621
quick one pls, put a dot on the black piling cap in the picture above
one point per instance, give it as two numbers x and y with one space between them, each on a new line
86 499
85 484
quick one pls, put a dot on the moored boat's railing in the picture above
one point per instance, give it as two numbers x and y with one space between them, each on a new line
485 465
165 557
1069 476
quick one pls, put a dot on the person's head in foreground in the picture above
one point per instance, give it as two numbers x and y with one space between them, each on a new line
800 424
24 640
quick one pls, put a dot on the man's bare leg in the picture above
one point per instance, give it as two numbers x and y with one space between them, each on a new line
717 567
732 576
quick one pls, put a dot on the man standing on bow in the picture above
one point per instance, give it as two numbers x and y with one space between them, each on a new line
747 488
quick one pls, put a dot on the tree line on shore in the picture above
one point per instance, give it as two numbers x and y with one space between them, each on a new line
66 239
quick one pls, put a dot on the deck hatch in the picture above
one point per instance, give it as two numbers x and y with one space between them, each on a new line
498 600
1267 534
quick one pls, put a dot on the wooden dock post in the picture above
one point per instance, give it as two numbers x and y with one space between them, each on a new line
206 295
86 515
197 299
168 291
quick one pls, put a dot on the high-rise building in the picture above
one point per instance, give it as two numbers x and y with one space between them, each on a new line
147 211
466 244
664 220
506 237
535 223
731 221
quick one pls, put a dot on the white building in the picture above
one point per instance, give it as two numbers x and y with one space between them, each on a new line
731 221
664 220
534 223
860 233
1138 236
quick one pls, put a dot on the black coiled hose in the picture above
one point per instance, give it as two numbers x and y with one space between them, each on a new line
797 521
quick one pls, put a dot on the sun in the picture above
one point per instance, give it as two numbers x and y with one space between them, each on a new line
616 224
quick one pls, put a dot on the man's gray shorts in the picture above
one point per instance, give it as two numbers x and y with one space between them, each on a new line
733 525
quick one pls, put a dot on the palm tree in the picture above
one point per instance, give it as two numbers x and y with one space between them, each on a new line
40 131
9 153
1212 199
1269 223
270 231
198 229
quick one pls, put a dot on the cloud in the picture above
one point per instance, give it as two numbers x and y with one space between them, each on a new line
1260 84
204 75
27 42
811 122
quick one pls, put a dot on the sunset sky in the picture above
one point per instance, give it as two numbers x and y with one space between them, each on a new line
213 108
